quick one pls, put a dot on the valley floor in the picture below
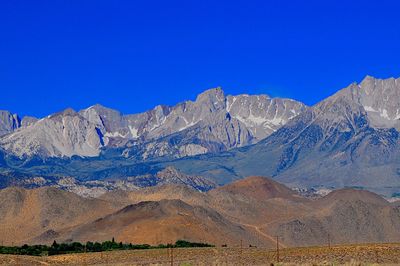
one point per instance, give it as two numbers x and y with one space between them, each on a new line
368 254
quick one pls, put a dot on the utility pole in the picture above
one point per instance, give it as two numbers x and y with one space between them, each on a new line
277 248
172 256
329 241
241 250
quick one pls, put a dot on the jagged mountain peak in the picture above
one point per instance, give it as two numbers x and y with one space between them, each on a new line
213 93
100 108
264 96
212 100
376 99
66 112
368 79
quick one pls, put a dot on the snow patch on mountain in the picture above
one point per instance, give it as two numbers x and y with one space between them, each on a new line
134 132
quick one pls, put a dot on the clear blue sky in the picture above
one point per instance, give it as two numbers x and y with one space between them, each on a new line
133 55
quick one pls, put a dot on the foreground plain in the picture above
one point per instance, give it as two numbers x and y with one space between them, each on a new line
366 254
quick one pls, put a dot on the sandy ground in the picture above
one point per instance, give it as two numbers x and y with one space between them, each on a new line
382 254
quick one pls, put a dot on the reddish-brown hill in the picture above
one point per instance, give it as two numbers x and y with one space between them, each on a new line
259 188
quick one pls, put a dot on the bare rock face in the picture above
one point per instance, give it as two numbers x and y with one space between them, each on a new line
8 122
380 100
62 134
261 114
171 175
212 123
111 122
234 120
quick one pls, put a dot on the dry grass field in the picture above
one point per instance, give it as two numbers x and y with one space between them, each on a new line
371 254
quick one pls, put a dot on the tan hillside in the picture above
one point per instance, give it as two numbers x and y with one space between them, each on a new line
25 214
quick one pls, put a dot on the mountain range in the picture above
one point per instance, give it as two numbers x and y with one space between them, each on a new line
212 123
350 139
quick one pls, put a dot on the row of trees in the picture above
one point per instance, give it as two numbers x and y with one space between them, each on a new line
76 247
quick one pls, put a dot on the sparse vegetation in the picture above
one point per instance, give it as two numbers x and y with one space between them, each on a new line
76 247
35 250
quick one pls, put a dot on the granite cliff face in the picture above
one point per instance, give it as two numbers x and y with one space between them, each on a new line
8 122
